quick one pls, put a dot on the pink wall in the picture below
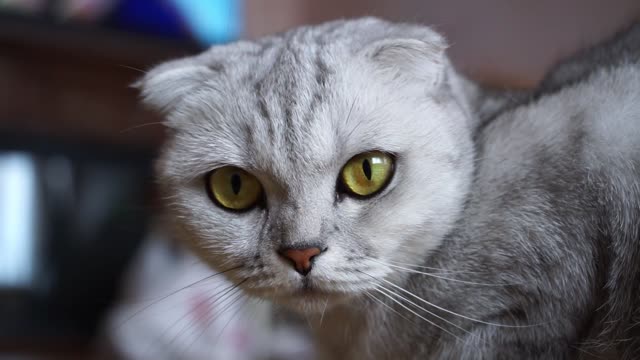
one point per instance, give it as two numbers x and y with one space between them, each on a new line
496 41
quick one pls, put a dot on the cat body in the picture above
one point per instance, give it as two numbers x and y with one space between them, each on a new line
515 236
557 197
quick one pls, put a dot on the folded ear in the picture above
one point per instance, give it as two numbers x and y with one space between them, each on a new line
419 56
166 85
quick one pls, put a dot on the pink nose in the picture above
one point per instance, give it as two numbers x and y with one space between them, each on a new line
301 258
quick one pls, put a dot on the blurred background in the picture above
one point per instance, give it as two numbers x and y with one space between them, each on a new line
76 148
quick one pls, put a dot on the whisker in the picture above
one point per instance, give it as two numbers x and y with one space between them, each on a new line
326 301
308 323
210 319
175 292
159 338
346 121
436 276
454 313
423 309
132 68
418 315
432 268
231 295
233 298
235 313
134 127
388 307
225 294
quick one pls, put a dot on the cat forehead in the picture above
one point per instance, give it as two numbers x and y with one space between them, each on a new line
306 126
300 96
308 52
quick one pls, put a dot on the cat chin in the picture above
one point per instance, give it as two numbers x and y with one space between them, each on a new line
310 303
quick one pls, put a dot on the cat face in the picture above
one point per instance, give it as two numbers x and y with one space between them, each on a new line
304 165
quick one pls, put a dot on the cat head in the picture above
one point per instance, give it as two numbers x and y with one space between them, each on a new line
304 164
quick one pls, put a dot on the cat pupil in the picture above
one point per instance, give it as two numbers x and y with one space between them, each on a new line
366 168
236 183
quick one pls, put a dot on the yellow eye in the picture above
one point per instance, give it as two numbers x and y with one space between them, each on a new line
367 174
233 188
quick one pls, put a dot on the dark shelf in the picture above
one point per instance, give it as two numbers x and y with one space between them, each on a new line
93 41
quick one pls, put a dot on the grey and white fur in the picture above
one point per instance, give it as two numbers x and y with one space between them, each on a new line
515 236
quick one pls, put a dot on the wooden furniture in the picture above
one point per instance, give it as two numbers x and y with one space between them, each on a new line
74 82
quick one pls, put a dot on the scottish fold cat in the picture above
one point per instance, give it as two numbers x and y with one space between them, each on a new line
348 173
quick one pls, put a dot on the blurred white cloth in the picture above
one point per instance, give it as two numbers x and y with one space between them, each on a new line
207 320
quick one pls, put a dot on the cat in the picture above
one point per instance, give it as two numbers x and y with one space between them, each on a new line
348 173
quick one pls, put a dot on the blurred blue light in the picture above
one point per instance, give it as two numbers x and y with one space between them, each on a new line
17 219
212 21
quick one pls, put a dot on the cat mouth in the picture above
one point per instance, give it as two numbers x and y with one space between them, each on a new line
307 297
306 293
312 300
309 289
312 292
